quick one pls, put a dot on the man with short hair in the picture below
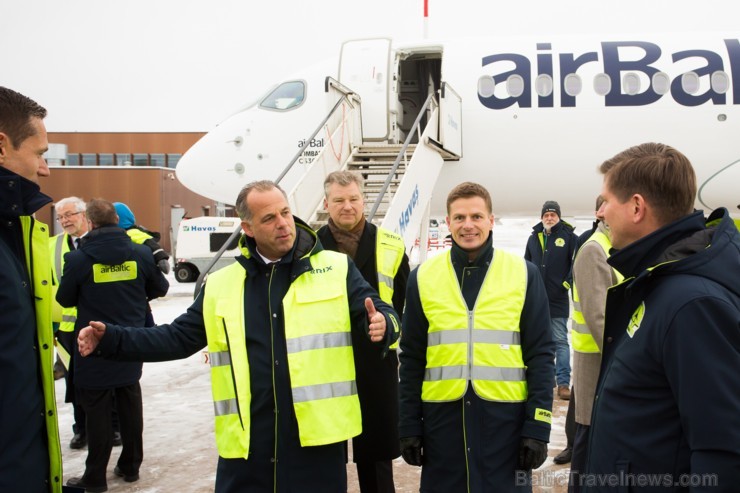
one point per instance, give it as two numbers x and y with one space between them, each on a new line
277 323
109 278
476 360
551 247
667 404
30 453
380 256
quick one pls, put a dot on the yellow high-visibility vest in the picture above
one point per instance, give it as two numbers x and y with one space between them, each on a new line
483 345
40 273
583 341
320 358
65 317
389 251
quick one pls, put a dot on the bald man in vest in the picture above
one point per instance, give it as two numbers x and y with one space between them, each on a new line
277 324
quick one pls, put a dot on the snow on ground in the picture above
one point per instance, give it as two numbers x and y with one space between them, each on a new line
179 448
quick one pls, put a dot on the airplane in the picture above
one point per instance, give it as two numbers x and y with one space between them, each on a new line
530 118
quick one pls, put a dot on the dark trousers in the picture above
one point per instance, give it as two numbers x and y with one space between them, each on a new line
98 407
376 477
578 462
570 419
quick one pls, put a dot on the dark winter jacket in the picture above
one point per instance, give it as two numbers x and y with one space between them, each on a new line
553 255
274 429
377 378
120 302
668 399
29 439
490 431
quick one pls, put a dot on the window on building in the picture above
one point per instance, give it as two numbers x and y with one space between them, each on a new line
141 160
73 159
89 159
157 160
105 159
173 159
124 159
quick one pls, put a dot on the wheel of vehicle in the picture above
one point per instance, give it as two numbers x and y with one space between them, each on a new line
185 273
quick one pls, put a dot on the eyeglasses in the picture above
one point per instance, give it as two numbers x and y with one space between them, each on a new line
68 215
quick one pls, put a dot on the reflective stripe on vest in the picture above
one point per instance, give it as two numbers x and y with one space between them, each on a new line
66 317
583 340
39 267
320 360
389 250
482 345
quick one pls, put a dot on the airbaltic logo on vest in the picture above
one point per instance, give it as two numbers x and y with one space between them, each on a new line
632 73
199 228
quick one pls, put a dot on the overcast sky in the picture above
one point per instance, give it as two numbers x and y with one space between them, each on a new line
184 65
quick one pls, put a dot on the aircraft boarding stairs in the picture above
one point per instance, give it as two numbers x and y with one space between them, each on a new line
399 178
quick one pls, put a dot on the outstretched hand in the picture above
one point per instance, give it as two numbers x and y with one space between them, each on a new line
376 321
89 337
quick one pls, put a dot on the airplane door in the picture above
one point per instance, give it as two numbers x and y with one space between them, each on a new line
365 67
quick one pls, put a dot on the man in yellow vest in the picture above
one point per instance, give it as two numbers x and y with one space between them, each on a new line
278 325
380 256
71 215
592 277
30 454
476 360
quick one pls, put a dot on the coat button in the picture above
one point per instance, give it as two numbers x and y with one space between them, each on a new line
609 339
11 184
44 282
46 346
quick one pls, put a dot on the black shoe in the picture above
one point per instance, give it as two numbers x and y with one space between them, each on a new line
564 457
80 483
129 478
78 441
116 439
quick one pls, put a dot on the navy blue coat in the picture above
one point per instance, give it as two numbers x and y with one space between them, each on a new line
24 456
377 377
668 400
490 431
297 469
554 258
122 302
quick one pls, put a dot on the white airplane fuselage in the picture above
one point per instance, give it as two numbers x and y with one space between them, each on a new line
524 143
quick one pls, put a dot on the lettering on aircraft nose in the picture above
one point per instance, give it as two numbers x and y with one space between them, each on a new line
614 64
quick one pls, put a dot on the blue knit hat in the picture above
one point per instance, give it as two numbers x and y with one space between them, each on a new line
126 218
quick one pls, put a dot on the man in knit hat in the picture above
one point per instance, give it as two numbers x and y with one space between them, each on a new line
551 247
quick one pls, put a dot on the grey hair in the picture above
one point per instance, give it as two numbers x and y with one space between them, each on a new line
80 205
343 179
261 186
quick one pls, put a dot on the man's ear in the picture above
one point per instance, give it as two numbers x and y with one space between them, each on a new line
247 229
326 204
4 142
638 208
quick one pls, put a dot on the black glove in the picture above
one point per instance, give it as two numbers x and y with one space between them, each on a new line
532 454
164 266
411 450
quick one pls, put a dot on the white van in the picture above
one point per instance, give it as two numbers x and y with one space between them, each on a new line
198 241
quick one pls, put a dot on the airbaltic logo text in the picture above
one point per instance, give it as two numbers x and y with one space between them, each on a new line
630 73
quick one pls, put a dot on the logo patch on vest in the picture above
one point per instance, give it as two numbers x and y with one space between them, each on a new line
543 415
114 273
321 270
560 242
636 320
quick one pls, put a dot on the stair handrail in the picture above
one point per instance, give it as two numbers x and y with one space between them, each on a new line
351 98
414 128
347 95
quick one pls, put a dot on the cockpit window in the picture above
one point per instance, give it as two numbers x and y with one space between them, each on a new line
285 96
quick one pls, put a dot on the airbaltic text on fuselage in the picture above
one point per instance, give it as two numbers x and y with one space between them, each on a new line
707 63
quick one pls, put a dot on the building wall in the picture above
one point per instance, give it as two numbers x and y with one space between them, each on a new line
109 142
150 192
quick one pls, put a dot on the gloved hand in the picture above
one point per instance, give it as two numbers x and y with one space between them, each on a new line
164 265
532 454
411 450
